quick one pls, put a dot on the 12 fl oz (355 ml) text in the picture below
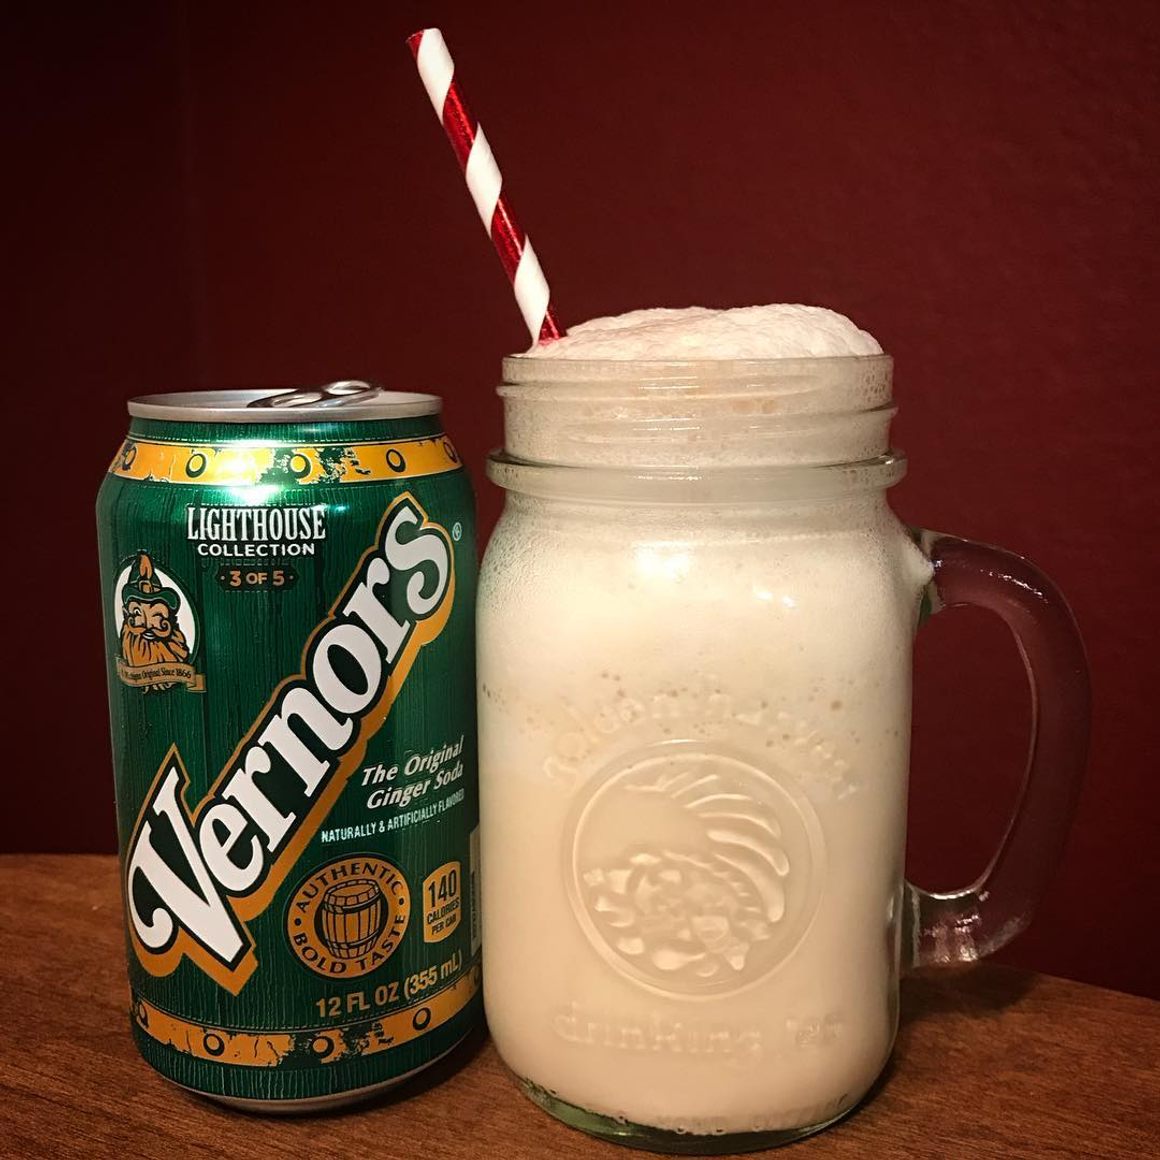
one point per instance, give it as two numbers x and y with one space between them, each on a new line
354 1003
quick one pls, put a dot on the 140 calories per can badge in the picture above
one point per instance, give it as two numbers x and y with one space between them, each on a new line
289 589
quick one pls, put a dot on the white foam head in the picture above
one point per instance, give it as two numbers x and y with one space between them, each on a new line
780 330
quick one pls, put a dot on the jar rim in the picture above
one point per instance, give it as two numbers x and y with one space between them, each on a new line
529 370
697 413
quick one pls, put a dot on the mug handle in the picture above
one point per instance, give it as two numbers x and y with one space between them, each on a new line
964 925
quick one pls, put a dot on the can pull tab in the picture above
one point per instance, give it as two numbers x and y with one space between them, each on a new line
337 394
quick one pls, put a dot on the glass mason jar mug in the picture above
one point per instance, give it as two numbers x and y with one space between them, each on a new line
695 634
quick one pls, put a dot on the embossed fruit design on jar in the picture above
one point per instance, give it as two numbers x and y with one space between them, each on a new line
693 872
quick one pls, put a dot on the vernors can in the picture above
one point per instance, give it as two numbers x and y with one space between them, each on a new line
289 588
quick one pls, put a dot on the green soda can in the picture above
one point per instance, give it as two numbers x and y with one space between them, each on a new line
289 592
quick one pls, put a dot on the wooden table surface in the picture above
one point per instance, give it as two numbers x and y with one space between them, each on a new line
990 1062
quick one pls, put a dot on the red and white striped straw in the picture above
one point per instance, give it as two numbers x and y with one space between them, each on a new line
484 183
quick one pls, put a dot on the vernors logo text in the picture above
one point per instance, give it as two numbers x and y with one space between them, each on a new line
194 877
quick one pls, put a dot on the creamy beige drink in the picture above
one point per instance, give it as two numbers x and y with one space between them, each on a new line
695 633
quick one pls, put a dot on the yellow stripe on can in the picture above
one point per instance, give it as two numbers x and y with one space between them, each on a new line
327 1044
241 464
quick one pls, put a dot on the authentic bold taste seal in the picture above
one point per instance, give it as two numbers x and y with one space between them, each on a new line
349 917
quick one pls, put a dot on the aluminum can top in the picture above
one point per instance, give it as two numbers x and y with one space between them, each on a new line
350 400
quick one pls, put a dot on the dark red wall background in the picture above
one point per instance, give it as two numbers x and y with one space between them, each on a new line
220 194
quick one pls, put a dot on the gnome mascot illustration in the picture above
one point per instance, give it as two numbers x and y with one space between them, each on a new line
150 634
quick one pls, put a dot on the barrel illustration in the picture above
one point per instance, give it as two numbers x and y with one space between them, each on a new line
351 917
